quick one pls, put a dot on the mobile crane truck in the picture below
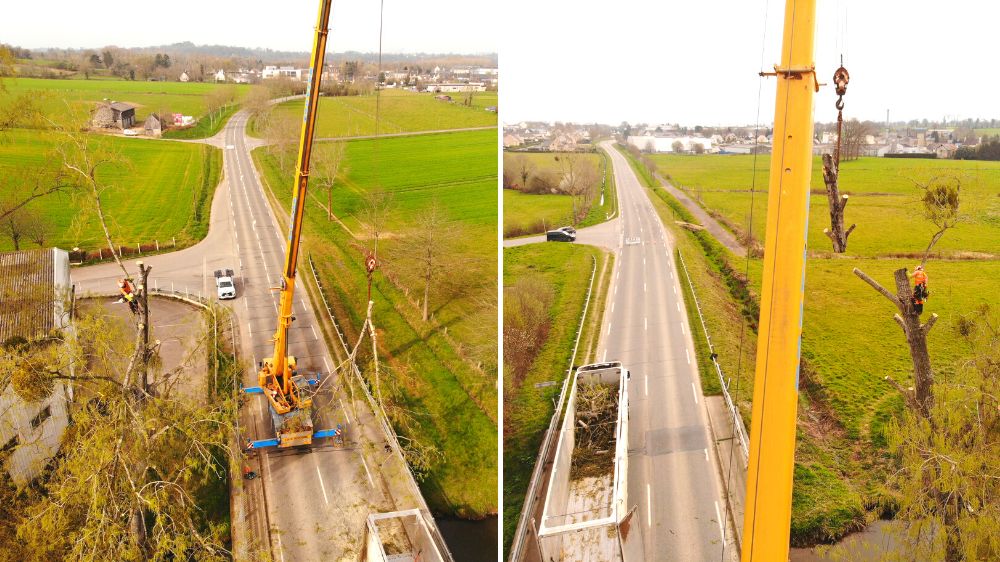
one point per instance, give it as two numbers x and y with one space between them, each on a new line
288 393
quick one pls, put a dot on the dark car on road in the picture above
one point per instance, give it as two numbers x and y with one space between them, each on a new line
560 235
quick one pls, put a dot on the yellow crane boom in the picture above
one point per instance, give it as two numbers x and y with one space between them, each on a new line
276 373
768 509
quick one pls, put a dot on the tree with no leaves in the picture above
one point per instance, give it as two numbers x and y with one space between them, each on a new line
84 157
837 202
855 138
327 168
377 205
429 246
677 146
282 137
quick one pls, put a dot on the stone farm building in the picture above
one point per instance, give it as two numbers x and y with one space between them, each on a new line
34 290
114 115
152 127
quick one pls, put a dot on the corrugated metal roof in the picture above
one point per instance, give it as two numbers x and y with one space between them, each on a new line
122 106
27 293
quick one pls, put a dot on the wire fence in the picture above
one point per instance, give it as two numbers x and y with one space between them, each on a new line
740 429
523 522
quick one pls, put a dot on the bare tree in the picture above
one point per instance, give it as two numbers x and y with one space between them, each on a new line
922 398
84 157
327 165
281 135
855 138
677 146
836 232
378 204
429 245
22 223
525 168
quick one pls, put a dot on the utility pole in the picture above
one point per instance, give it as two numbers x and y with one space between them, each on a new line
775 400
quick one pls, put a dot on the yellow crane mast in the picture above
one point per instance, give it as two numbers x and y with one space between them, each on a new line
775 396
278 378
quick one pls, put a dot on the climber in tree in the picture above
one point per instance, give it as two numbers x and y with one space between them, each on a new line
920 292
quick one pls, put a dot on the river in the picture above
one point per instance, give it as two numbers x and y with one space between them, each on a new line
470 541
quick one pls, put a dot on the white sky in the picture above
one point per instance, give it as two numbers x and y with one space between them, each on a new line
696 62
437 26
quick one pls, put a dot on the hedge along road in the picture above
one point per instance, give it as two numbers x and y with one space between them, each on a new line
316 503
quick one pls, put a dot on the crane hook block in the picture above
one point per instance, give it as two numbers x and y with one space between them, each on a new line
840 79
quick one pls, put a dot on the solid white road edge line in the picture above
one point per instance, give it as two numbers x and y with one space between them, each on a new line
649 507
718 518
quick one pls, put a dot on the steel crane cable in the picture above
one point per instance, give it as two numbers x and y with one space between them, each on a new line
749 247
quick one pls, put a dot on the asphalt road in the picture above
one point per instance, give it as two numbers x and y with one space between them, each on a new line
673 476
316 500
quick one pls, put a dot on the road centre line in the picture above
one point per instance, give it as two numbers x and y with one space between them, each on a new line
694 393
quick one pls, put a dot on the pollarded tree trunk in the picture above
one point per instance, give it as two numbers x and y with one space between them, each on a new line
836 232
921 398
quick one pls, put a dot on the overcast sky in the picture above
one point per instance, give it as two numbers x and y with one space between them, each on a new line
697 62
437 26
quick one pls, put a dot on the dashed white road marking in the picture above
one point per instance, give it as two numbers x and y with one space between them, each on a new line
322 486
706 454
688 355
605 354
643 286
694 393
327 365
313 328
645 323
609 329
645 382
370 481
678 306
345 410
649 507
718 518
683 331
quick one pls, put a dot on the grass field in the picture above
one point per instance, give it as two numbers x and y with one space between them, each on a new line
988 132
527 409
166 191
521 210
435 365
61 98
884 202
849 345
399 111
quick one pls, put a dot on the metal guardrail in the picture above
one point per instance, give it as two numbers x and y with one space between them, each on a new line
517 545
741 431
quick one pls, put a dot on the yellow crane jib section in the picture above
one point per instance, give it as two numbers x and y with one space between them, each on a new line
775 397
275 376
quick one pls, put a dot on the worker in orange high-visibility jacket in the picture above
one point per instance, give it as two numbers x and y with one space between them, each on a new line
920 292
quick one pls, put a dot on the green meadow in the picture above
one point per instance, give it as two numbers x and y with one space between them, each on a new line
527 408
850 342
437 367
164 190
65 98
398 111
884 202
526 211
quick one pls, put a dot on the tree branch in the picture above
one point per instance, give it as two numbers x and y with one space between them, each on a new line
908 395
849 230
930 324
874 284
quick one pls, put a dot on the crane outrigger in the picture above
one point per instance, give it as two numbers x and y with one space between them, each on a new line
287 391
